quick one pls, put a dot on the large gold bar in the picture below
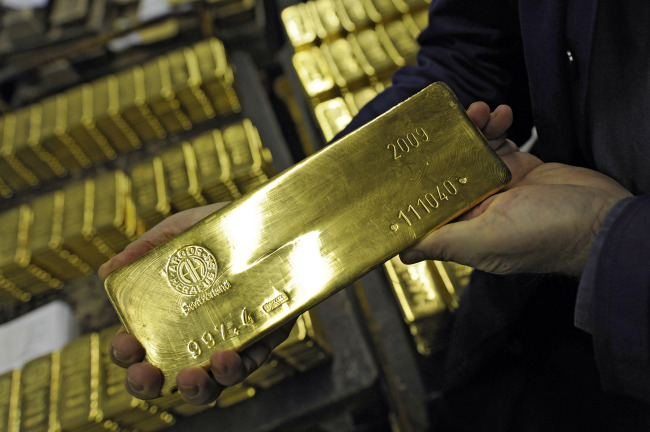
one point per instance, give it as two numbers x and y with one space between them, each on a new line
274 253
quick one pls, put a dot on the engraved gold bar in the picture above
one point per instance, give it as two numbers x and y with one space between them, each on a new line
274 253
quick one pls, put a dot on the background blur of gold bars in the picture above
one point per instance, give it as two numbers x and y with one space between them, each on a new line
119 113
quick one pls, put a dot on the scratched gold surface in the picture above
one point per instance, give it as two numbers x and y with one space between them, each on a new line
276 252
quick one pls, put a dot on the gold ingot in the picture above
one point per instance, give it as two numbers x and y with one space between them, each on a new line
455 278
402 40
79 405
39 390
266 258
332 116
343 65
356 100
381 10
315 76
299 26
353 15
417 289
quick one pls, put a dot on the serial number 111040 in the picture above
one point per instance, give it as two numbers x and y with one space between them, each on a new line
430 201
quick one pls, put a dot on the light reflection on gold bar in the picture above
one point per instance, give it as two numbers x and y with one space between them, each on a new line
276 252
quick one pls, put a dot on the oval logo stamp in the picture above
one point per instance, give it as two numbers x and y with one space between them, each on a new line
191 270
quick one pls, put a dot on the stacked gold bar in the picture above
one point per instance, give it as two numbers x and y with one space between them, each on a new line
94 122
80 389
67 233
427 293
15 257
345 52
38 394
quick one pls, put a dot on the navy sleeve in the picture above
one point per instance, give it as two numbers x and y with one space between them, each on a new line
474 46
620 307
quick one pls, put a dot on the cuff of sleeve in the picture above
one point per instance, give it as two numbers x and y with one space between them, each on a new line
583 317
619 301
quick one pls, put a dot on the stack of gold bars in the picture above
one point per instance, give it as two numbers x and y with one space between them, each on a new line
345 52
427 293
80 389
94 122
67 233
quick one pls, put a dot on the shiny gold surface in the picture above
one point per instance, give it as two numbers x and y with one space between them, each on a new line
269 256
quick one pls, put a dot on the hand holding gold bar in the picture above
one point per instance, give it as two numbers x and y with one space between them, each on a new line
255 264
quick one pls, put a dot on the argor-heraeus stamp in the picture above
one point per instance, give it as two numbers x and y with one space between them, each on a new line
191 270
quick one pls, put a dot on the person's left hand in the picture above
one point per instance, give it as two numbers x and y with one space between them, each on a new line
544 221
196 385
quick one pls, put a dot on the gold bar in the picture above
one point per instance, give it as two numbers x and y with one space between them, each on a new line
6 385
417 289
307 345
275 253
78 382
245 152
332 116
356 100
343 65
213 167
18 175
132 106
76 228
50 135
235 394
45 241
299 26
26 133
378 63
179 166
402 40
381 11
149 191
356 14
314 75
455 278
39 394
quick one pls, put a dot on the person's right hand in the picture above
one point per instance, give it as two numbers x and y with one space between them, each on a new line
544 221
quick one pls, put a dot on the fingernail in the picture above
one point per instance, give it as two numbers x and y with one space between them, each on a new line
222 370
412 257
119 356
189 391
135 387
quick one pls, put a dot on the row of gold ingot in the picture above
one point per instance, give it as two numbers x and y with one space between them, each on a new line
69 232
346 52
96 121
427 293
81 389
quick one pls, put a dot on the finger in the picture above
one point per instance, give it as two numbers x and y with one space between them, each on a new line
125 349
505 147
479 113
520 165
144 380
457 242
229 368
197 387
498 123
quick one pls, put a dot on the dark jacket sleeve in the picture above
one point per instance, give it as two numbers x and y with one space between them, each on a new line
474 46
614 295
